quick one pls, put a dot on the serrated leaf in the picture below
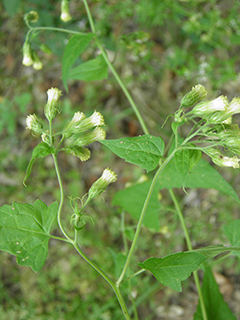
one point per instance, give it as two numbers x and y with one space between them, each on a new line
132 200
74 48
216 307
194 156
92 70
40 151
144 151
203 175
173 269
213 251
24 231
232 231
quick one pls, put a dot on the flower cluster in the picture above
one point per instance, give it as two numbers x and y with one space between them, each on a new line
30 57
79 131
216 125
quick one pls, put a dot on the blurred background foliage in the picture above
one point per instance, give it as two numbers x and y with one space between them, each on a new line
160 49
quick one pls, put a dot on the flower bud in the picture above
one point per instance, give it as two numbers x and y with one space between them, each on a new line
197 94
27 55
96 119
45 138
34 123
101 184
75 122
220 160
205 108
65 14
87 138
51 107
37 63
45 48
31 16
82 153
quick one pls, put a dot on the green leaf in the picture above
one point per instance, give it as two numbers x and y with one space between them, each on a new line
24 231
74 48
216 307
203 175
40 151
185 160
173 269
92 70
213 251
132 200
232 231
144 151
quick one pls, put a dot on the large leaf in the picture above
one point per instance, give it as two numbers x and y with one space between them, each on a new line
74 48
40 151
132 200
216 307
24 231
203 175
92 70
144 151
175 268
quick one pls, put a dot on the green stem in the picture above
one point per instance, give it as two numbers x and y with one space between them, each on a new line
140 221
61 198
107 278
118 79
189 246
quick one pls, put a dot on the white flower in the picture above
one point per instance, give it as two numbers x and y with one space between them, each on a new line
230 162
65 14
27 55
34 123
204 108
89 137
234 106
97 119
51 107
109 176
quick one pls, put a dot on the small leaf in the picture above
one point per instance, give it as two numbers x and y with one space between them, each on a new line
173 269
92 70
40 151
232 231
132 200
216 307
144 151
24 231
74 48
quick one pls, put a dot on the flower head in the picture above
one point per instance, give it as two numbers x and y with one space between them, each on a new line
34 123
82 153
197 94
96 119
51 107
31 16
86 138
65 14
222 161
37 63
27 55
208 107
74 123
108 176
